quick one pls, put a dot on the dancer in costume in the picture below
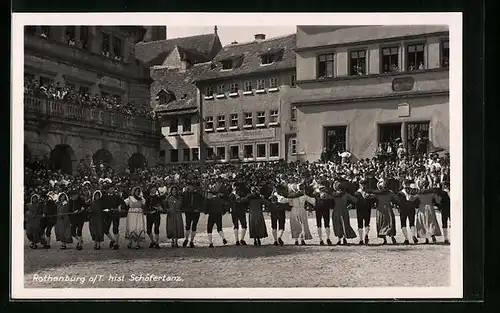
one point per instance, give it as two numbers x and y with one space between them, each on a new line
175 225
136 227
63 223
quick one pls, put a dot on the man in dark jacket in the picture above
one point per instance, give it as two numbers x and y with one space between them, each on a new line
49 219
152 212
192 202
215 208
111 203
78 207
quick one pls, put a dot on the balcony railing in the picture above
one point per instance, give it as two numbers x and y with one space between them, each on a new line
72 112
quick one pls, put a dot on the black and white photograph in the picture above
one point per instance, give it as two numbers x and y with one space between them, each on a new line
237 155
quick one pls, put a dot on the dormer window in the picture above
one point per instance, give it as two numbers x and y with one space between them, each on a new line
267 59
271 55
165 97
227 64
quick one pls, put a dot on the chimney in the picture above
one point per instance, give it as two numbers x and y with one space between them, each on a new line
234 42
259 37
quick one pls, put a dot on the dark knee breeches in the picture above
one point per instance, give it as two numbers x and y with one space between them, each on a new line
323 214
192 219
214 219
445 217
108 220
239 218
363 217
153 220
405 214
46 225
278 220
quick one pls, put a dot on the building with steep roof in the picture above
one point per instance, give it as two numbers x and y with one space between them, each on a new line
363 87
245 104
174 65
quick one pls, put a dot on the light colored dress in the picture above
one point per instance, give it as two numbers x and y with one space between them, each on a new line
135 227
299 225
426 221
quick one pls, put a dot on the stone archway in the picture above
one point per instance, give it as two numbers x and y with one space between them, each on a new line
137 161
63 158
103 156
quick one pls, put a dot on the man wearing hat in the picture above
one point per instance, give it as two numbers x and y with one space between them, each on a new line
78 206
407 205
49 218
192 201
215 208
363 211
111 203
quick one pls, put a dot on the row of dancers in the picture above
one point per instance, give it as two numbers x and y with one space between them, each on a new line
67 213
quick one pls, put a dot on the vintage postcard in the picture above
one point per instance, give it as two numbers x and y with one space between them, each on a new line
215 156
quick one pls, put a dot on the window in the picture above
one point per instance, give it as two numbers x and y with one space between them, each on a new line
390 59
45 31
209 122
267 59
195 153
293 81
186 124
248 151
233 88
221 121
234 152
186 154
248 85
162 153
220 89
248 119
261 84
358 63
335 138
261 150
274 116
84 37
84 89
70 35
293 114
325 65
209 91
174 155
227 64
117 48
221 153
105 44
174 126
209 153
388 133
261 118
445 54
273 82
415 57
293 146
417 137
274 150
234 120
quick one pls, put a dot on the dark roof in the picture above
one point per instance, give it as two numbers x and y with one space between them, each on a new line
251 62
155 52
192 55
180 83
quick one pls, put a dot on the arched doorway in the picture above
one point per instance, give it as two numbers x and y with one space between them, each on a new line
103 156
63 158
137 161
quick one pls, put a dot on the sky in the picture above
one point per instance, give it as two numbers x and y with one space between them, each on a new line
228 34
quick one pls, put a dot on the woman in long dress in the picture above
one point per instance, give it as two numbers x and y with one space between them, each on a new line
135 230
299 225
386 220
63 223
257 225
175 224
96 220
33 219
340 216
426 221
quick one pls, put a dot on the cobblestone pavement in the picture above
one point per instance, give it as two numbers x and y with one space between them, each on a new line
232 266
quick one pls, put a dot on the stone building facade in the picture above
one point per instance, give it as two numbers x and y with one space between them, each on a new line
245 102
368 85
97 60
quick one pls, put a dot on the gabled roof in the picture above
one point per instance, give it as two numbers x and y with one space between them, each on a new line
252 57
155 52
180 83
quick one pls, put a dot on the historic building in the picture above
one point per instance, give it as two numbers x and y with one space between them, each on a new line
245 103
174 65
363 86
96 60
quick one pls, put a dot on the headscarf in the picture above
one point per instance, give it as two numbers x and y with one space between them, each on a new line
35 196
94 194
133 192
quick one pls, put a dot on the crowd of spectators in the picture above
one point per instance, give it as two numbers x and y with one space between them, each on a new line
70 95
41 177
